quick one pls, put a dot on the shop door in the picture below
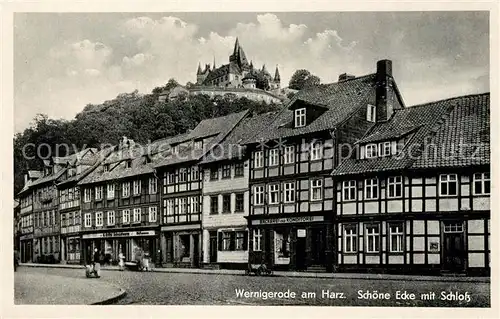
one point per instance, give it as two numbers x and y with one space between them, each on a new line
453 248
196 250
300 253
318 239
213 247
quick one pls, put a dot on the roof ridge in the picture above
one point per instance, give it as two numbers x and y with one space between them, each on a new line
445 100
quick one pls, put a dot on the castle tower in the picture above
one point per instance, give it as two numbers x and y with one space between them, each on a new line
277 78
199 75
238 55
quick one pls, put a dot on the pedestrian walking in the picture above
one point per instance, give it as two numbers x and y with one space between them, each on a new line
121 258
97 262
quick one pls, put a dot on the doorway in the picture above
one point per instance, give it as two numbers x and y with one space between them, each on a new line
318 248
213 247
453 246
300 253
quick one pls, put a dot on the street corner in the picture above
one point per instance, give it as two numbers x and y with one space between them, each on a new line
55 290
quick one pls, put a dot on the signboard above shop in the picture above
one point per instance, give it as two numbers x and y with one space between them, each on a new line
121 234
288 220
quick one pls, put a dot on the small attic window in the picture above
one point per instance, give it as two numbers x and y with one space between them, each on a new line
106 167
371 113
197 145
300 117
147 159
128 164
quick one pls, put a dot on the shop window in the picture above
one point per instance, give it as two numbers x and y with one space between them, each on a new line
126 216
257 240
226 241
316 189
372 238
137 215
273 157
316 151
371 188
258 195
239 207
185 246
152 214
214 205
289 154
98 219
111 191
226 203
238 170
448 185
226 171
274 194
282 244
126 189
258 159
241 240
348 190
395 187
396 238
482 184
153 185
350 239
289 190
214 173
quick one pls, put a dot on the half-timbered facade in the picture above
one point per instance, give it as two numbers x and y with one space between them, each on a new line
26 217
182 181
415 198
291 189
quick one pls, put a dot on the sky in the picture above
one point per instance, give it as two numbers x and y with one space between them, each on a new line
63 61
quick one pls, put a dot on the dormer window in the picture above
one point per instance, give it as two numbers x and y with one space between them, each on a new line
106 167
384 149
175 149
371 150
128 164
197 145
147 159
300 117
371 113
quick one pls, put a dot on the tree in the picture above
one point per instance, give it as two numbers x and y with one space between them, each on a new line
302 79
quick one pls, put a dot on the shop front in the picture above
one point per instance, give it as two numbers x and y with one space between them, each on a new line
26 248
130 243
181 245
291 243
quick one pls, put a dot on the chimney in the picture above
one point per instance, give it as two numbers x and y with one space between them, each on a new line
25 179
344 77
384 103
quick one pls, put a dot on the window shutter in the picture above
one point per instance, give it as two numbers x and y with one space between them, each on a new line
219 244
245 240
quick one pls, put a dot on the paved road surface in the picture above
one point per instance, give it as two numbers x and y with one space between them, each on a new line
148 288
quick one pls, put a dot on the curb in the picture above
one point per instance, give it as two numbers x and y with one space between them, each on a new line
111 300
295 274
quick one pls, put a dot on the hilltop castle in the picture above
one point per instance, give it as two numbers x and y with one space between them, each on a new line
238 73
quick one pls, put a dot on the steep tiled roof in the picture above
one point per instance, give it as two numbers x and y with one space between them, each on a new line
218 127
340 99
441 123
91 163
50 178
231 146
71 159
223 70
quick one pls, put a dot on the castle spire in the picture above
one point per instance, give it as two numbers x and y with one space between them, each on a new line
251 64
236 47
199 68
213 68
277 77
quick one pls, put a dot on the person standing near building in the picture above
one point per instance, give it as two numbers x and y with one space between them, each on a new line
121 258
97 262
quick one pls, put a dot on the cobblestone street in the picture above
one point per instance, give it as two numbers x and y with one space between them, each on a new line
206 289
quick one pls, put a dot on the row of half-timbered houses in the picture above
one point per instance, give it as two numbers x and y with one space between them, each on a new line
344 178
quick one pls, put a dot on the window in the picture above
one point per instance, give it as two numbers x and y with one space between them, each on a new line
372 238
198 145
214 173
350 239
274 194
126 216
111 218
193 202
396 238
240 199
371 113
152 214
106 167
316 189
384 149
316 151
395 187
448 184
371 188
153 185
241 240
257 240
99 219
111 191
182 175
288 155
258 160
170 207
226 203
273 157
137 215
300 117
195 173
171 178
348 190
371 150
453 227
258 195
137 187
289 190
182 206
128 164
226 241
482 184
226 171
87 195
214 205
238 169
126 189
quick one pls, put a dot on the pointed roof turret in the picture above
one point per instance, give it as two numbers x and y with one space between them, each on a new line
199 68
214 67
277 77
251 64
236 47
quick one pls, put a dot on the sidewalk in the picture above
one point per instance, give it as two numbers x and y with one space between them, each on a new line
290 274
32 289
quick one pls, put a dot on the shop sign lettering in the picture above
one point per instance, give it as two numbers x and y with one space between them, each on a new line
121 234
287 220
